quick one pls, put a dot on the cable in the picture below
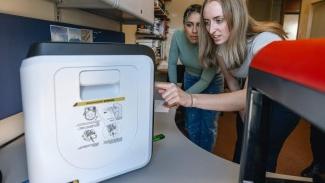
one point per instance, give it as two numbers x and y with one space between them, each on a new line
11 141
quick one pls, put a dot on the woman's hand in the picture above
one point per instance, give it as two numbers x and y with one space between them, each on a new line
173 95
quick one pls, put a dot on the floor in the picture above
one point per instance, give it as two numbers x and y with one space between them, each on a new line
294 156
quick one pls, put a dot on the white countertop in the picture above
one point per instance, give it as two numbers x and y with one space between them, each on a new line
174 159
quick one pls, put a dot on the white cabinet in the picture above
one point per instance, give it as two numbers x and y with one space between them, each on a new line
144 9
125 11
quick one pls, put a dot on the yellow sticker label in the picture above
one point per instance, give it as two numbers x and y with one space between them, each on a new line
74 181
91 102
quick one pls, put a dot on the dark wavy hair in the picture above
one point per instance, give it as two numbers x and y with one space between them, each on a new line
194 8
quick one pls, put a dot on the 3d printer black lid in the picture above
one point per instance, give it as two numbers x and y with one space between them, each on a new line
64 48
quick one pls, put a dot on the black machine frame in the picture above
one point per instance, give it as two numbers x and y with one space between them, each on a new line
262 88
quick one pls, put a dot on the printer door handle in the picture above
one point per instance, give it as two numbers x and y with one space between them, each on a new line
99 77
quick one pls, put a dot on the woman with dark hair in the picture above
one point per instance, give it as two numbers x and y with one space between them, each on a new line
229 39
200 124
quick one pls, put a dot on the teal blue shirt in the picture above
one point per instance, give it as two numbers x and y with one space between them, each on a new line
181 48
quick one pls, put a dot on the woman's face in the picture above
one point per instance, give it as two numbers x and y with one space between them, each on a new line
191 27
215 22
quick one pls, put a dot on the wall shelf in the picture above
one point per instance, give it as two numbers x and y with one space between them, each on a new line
155 35
160 13
141 35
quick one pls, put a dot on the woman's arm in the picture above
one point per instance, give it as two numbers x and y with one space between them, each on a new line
172 60
173 95
233 101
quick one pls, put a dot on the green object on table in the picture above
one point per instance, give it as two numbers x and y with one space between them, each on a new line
158 137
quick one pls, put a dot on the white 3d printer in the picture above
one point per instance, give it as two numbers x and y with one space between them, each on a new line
88 110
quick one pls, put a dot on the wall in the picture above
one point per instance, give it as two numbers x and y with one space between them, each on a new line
46 10
305 18
176 10
260 10
129 31
266 10
317 29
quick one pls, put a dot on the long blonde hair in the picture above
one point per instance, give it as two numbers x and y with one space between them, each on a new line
241 27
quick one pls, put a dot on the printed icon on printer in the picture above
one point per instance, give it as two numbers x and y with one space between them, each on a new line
112 129
90 113
113 113
89 135
108 114
117 110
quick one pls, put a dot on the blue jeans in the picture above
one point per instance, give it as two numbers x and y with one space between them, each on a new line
200 124
317 143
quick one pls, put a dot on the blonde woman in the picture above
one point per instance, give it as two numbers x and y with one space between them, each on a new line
229 39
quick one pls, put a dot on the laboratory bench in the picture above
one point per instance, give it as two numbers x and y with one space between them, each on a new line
174 159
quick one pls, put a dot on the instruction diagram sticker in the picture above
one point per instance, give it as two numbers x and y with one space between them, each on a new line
113 113
89 135
112 129
112 116
111 133
90 139
117 110
99 122
90 113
